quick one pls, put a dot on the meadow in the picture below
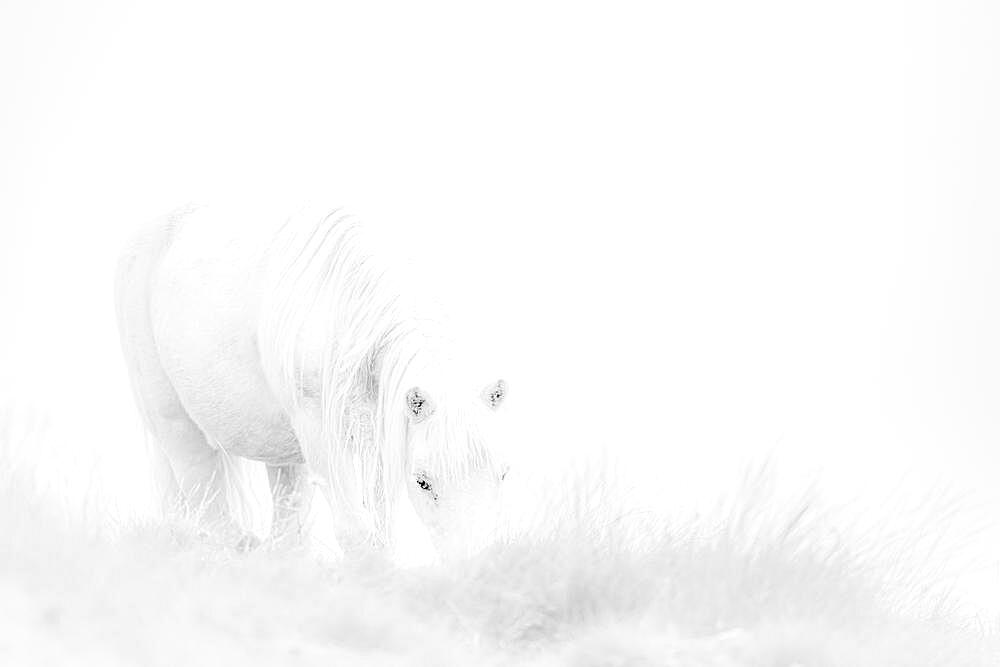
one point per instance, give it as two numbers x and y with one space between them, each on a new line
586 580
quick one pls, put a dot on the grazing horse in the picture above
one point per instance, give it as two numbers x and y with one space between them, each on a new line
259 336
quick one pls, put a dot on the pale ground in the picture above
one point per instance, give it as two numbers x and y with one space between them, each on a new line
760 581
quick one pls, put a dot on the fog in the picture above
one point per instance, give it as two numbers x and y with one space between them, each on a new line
702 236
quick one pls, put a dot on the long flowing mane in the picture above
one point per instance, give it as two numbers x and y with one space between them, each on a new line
341 345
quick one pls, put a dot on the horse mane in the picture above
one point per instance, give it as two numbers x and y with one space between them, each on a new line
341 341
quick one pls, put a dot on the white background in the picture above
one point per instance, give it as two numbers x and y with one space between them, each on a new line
708 233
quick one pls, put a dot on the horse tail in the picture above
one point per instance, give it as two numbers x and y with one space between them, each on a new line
135 267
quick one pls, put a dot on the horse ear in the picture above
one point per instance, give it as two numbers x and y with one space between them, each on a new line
419 406
494 394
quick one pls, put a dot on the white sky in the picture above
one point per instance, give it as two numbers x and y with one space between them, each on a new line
710 231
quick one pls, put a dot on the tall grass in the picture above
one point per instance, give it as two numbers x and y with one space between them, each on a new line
588 581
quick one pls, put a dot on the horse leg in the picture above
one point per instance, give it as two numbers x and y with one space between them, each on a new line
291 494
168 490
198 482
348 514
201 476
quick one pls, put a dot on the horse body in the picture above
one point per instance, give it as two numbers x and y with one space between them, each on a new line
205 302
280 339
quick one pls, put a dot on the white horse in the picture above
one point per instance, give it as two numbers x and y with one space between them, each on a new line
279 339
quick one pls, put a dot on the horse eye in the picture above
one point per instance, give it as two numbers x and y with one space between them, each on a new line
424 484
